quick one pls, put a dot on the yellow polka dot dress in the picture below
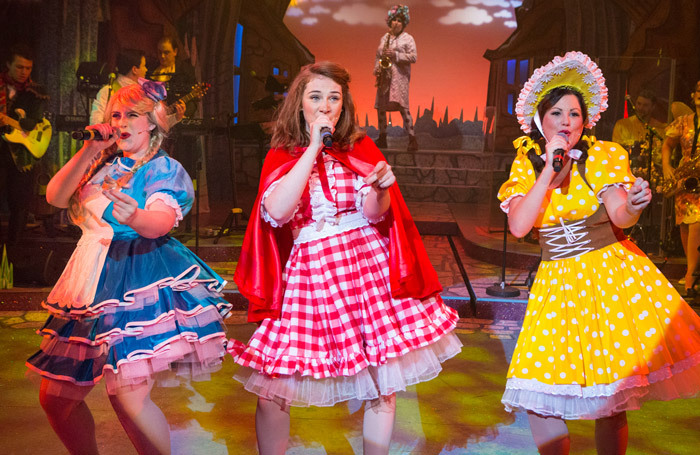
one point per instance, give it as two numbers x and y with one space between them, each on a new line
604 331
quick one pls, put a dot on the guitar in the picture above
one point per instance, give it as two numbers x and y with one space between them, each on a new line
198 91
35 141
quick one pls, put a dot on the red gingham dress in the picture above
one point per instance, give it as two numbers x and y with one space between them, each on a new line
341 335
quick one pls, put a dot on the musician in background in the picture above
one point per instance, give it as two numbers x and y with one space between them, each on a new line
22 104
641 133
684 131
177 74
131 65
179 78
392 68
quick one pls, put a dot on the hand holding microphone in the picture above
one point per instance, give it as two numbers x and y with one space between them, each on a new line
97 137
558 158
327 136
94 134
321 131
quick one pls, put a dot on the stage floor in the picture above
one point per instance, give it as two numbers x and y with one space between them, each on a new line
459 412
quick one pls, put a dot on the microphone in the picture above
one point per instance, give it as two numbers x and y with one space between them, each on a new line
327 136
557 161
631 105
90 135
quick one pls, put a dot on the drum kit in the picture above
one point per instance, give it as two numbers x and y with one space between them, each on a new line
656 232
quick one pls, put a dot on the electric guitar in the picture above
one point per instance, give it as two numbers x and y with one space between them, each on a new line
35 141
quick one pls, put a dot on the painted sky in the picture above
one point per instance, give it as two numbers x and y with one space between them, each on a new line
451 37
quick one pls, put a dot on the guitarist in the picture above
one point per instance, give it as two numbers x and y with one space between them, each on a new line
178 74
179 77
20 100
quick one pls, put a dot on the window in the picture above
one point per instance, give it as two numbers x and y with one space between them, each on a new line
511 104
524 71
237 53
517 73
510 72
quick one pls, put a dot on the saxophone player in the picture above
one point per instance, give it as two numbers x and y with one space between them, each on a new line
392 68
684 131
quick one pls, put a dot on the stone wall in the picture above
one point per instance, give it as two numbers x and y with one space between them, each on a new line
442 175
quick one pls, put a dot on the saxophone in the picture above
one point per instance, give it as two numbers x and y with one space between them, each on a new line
385 64
685 178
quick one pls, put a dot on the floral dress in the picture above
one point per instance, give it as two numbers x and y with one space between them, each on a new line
126 307
394 91
687 205
604 330
340 334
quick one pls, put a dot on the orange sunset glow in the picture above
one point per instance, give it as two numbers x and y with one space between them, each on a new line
451 37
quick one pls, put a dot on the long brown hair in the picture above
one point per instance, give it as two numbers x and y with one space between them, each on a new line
290 127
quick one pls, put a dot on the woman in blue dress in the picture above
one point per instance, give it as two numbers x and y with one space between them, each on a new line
133 305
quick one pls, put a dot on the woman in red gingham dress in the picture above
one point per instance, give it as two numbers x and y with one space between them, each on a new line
335 273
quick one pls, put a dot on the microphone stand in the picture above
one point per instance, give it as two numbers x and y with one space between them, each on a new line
231 221
646 225
502 289
198 171
650 134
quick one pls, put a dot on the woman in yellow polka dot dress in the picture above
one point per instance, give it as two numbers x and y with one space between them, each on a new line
604 330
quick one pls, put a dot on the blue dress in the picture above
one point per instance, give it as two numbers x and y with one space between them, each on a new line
126 307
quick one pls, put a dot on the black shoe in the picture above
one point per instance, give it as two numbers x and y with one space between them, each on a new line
690 295
381 141
412 144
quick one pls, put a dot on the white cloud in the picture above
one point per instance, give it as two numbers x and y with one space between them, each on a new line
309 20
503 13
294 12
442 3
469 15
510 24
359 13
516 3
499 3
318 9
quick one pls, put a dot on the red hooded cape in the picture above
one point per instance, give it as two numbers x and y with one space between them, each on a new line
266 249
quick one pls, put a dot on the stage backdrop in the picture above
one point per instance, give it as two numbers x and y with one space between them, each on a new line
451 37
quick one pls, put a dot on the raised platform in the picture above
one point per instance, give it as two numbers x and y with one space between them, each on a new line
439 175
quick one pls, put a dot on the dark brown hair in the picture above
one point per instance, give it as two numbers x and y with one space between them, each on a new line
547 103
20 50
129 58
648 94
169 39
290 127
